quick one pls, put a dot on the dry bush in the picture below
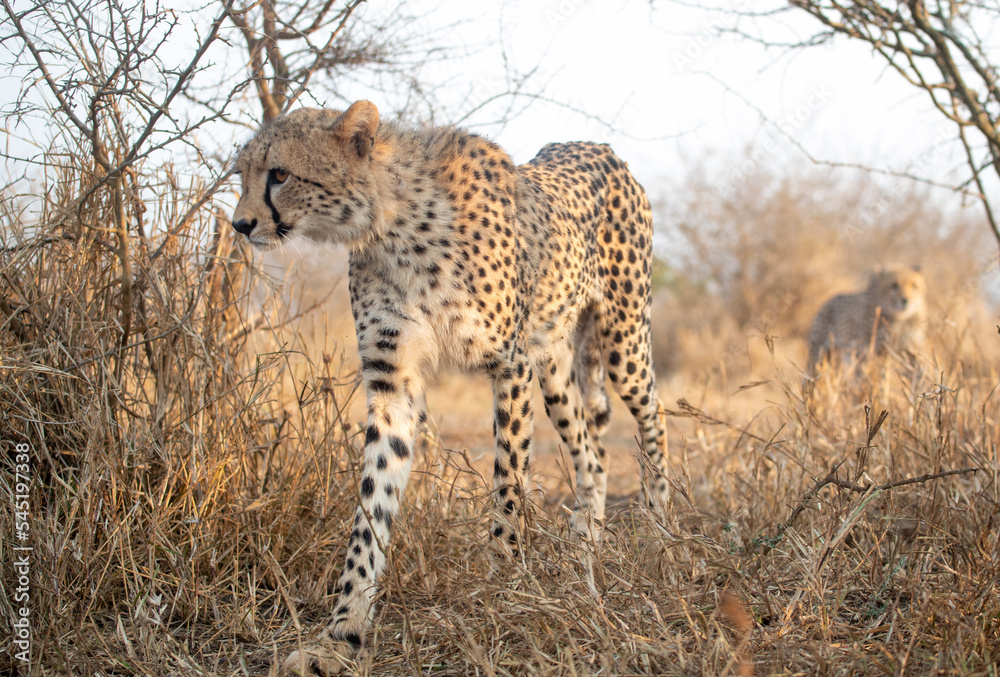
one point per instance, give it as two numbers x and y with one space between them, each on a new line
172 502
867 577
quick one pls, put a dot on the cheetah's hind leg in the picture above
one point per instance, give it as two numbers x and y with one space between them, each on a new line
629 362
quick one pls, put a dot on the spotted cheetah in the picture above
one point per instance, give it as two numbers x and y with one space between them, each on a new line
892 306
457 258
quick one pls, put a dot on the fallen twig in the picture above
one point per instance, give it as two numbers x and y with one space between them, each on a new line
832 479
845 484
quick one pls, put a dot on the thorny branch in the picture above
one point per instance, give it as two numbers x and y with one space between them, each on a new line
43 68
941 39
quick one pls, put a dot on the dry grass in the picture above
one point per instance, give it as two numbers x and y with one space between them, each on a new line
184 523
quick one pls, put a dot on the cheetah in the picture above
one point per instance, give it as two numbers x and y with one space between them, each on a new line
892 306
457 258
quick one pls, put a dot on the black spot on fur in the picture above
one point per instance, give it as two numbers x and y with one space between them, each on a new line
351 638
398 447
502 418
380 366
380 386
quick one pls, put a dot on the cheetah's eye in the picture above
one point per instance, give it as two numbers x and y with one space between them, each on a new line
279 176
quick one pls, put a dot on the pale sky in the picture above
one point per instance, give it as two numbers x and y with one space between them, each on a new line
675 90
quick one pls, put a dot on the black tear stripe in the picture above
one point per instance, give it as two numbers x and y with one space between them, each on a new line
281 229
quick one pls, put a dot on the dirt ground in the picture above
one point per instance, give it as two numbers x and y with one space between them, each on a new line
460 407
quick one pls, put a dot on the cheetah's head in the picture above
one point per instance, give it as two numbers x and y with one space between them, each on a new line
899 291
309 174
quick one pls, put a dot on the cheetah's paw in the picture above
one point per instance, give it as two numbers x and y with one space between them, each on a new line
325 658
585 528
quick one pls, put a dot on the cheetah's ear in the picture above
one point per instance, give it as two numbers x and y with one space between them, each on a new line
356 127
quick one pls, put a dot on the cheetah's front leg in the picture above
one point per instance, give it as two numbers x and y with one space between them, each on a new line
513 425
394 408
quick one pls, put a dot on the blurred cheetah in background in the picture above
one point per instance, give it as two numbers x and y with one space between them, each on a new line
457 258
892 306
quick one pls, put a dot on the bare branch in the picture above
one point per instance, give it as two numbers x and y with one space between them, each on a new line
180 84
865 488
304 77
938 50
28 42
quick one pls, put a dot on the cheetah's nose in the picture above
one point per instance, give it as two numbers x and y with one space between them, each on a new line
244 227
